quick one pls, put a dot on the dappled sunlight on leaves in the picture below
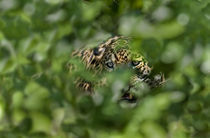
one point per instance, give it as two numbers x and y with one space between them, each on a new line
38 96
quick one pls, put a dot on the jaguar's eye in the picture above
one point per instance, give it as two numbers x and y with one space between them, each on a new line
110 64
135 63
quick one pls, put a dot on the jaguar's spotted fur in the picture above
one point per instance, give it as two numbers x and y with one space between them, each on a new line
108 55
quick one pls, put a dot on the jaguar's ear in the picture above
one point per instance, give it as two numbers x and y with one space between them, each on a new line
162 78
98 52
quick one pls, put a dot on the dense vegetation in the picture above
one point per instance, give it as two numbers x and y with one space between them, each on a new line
37 95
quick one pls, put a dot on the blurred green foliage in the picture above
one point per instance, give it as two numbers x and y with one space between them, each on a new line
37 95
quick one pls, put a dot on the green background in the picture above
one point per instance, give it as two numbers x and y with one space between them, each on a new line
37 95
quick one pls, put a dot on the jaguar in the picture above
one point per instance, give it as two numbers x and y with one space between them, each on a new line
109 55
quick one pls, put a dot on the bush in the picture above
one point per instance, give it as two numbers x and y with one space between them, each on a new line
38 97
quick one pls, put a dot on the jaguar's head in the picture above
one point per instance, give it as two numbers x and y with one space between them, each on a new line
110 54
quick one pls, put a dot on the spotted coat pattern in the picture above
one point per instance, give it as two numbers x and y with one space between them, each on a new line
108 56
